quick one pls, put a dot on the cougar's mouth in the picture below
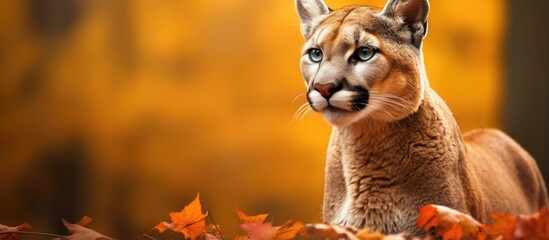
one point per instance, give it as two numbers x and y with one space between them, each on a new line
340 102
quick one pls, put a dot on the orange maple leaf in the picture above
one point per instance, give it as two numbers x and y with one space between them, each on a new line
190 221
448 223
260 218
79 232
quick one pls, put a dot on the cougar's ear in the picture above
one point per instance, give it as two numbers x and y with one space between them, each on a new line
308 10
413 13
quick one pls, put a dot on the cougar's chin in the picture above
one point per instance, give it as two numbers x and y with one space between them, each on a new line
339 117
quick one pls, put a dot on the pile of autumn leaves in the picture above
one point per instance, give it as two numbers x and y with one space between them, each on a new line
438 221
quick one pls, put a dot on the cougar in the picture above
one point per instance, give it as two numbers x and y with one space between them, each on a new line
395 145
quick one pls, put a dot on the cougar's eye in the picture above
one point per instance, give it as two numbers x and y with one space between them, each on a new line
315 55
365 53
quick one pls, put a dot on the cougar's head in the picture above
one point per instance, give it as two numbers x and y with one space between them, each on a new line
359 62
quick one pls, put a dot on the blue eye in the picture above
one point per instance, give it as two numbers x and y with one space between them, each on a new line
365 53
315 55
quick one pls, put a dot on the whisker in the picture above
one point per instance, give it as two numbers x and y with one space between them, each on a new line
373 94
392 104
397 105
296 97
301 108
288 126
371 115
394 96
364 104
402 100
412 86
305 108
388 113
305 114
300 114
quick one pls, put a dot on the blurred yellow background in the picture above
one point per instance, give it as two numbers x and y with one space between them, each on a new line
124 110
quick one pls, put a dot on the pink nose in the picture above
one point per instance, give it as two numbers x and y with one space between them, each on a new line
326 90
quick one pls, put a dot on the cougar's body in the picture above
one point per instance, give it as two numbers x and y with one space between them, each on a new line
395 145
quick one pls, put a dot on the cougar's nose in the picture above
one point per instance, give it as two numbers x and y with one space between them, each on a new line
326 90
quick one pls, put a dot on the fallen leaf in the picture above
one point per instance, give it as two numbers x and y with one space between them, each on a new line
503 226
84 221
508 226
79 232
321 231
190 221
368 234
260 231
289 230
210 236
212 231
448 223
402 236
251 219
163 226
12 235
427 218
4 228
243 237
266 231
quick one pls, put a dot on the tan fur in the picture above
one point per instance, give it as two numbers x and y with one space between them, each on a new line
404 149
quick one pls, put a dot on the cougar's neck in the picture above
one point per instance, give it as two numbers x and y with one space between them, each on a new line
377 144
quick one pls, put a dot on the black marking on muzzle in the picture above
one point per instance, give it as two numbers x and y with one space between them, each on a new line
309 100
361 100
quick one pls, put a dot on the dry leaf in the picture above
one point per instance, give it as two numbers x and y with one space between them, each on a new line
323 231
251 219
448 223
210 236
79 232
84 221
289 230
244 237
260 231
12 235
190 221
402 236
163 226
212 232
368 234
508 226
257 230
